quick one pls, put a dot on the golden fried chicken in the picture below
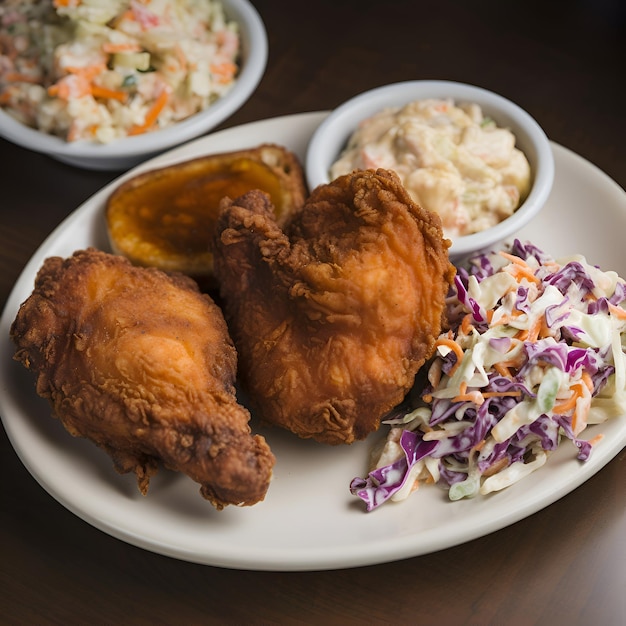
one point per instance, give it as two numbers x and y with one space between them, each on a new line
333 315
142 364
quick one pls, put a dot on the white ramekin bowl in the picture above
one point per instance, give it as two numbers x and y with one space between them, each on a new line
331 137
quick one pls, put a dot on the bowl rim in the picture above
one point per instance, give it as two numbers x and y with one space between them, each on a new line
334 131
254 39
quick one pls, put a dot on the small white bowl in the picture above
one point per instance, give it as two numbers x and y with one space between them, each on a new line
122 154
331 137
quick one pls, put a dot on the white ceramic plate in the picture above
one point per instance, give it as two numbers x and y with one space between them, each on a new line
309 520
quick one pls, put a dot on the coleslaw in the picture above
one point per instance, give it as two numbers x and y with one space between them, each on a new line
536 352
101 70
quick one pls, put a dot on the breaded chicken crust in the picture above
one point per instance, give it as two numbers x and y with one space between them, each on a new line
141 363
334 314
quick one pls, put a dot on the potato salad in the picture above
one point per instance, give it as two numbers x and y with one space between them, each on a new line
451 158
101 70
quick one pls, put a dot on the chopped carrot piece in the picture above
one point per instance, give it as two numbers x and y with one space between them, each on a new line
103 92
152 114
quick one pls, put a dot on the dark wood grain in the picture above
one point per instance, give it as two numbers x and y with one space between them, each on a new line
562 61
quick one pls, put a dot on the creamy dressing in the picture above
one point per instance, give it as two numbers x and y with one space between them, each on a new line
451 158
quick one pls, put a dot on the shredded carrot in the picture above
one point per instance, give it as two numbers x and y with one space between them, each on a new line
513 258
618 311
579 417
455 347
520 268
496 467
566 405
502 394
531 334
507 319
524 272
462 389
594 440
152 114
466 324
570 403
479 446
503 370
503 367
103 92
468 396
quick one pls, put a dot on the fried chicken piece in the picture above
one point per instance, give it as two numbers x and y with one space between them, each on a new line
142 364
333 316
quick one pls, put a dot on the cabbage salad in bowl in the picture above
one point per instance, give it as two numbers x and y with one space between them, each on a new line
535 352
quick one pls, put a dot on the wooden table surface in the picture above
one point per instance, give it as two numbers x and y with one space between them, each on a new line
563 61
